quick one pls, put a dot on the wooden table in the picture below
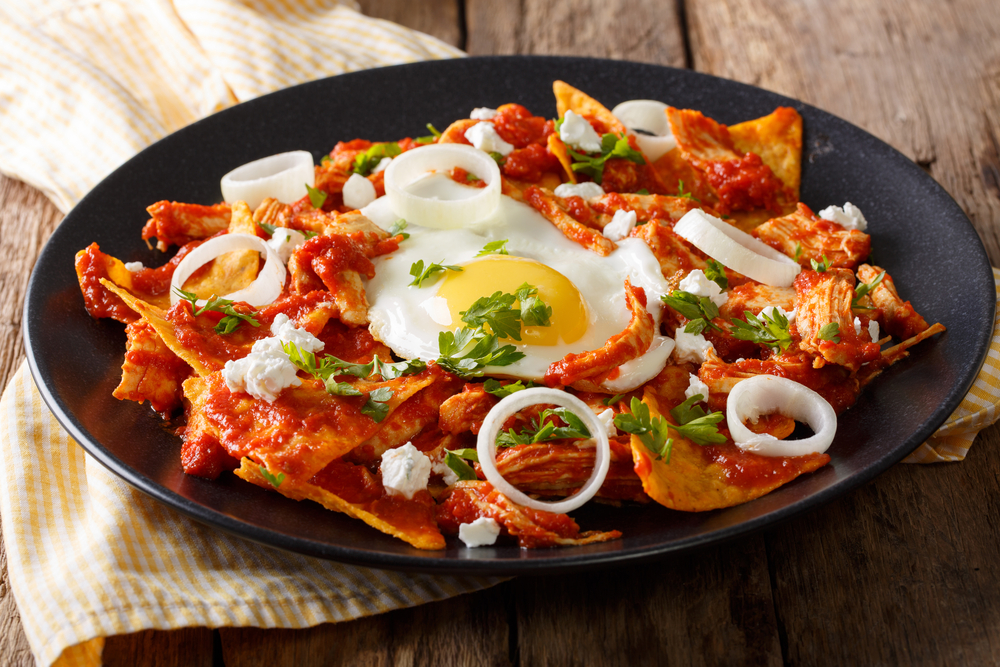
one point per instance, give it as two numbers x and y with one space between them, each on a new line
902 571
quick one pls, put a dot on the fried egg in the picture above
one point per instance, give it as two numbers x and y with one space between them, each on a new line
585 291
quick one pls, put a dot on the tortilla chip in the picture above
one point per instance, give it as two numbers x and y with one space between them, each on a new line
777 139
410 520
569 98
234 270
697 478
455 133
558 148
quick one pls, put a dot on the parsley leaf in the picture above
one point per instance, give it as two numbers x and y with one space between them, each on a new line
331 366
716 272
270 229
325 159
689 410
612 399
275 480
316 196
864 289
369 159
685 195
830 331
464 361
700 311
611 147
771 331
534 311
341 388
420 274
653 433
397 229
454 460
227 324
699 430
493 386
643 191
544 431
798 251
377 406
498 312
822 267
494 247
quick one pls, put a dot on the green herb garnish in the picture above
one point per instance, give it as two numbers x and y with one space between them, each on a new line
227 324
466 352
822 267
830 331
653 433
544 431
369 159
611 147
494 247
612 399
275 480
699 310
865 289
397 229
455 459
420 274
716 272
493 386
377 406
316 196
772 331
685 195
798 251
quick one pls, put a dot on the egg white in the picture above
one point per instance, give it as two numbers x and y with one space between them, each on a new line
409 319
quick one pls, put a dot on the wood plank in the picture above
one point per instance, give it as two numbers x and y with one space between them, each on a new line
466 630
438 19
904 570
709 608
640 30
923 76
191 647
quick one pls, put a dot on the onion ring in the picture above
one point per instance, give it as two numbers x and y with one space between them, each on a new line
265 288
486 446
416 163
283 176
764 394
647 116
736 249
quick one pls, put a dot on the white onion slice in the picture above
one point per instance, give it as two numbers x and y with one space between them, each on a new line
415 164
736 249
650 116
486 446
283 176
262 291
767 394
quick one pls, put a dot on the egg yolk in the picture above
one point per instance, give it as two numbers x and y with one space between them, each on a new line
483 277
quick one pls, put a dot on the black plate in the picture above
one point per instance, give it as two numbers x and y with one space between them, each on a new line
918 233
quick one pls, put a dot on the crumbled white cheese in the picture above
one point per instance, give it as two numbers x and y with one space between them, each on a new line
857 326
448 475
587 190
382 164
484 137
134 266
607 419
621 225
480 533
405 470
771 310
697 283
286 331
575 131
873 330
695 387
690 347
358 192
483 113
284 241
848 217
267 370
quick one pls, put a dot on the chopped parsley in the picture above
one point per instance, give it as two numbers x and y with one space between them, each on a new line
716 272
377 406
829 331
271 229
397 229
366 161
466 352
227 324
432 137
695 424
685 195
493 386
275 480
544 431
643 191
699 310
653 433
316 196
798 251
822 267
504 320
455 459
864 289
611 147
772 331
420 274
494 247
612 399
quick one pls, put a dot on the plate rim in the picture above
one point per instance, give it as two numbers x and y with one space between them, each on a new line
566 561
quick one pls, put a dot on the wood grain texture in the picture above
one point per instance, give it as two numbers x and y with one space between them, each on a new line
709 608
191 647
439 19
467 630
923 76
640 30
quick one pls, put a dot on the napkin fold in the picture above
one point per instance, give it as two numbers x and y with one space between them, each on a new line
84 85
